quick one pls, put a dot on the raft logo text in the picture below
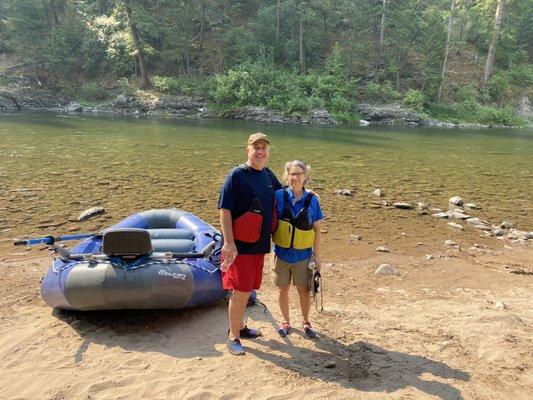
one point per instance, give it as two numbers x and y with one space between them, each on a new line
173 275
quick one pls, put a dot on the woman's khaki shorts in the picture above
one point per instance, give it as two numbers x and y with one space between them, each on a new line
299 273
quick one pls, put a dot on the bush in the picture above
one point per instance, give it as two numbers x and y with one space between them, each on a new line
521 75
166 84
124 87
497 86
93 92
467 93
381 93
414 99
498 116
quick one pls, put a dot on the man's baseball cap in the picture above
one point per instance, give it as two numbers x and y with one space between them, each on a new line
255 137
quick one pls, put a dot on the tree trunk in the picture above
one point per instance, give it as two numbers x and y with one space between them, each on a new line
303 70
54 11
145 79
202 32
382 28
492 49
446 51
278 20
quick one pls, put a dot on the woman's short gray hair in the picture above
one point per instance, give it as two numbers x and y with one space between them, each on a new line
300 164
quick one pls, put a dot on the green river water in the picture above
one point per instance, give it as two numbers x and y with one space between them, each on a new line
52 167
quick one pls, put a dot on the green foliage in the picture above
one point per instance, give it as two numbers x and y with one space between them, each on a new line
93 92
520 75
289 92
497 87
166 84
414 99
124 87
381 93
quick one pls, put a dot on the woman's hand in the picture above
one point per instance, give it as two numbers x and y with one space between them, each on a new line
316 258
229 253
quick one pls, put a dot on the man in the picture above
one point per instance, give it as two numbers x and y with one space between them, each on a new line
246 202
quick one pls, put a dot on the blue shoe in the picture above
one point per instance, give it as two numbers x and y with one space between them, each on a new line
249 333
284 329
309 331
235 347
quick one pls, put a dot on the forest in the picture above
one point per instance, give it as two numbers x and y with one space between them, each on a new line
457 60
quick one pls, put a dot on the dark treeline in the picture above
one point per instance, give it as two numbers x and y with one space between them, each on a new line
460 59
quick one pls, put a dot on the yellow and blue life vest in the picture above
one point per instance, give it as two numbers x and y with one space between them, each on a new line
294 232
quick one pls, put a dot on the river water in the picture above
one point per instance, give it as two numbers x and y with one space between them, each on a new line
53 166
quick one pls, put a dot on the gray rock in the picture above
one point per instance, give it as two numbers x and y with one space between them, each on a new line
476 221
362 122
386 270
483 227
451 243
344 192
90 213
456 200
498 231
378 192
440 215
500 305
456 226
74 107
430 257
457 215
507 225
382 249
330 364
403 206
472 206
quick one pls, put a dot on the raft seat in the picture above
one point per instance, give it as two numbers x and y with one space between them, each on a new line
127 243
172 240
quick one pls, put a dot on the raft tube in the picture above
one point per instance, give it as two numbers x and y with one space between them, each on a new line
149 282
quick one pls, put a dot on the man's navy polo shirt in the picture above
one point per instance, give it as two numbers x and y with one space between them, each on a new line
236 196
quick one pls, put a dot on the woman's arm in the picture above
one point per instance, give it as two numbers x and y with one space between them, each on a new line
316 245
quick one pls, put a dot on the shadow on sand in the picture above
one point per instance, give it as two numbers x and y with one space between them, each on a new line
360 365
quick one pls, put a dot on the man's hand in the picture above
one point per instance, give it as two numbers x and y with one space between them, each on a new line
229 253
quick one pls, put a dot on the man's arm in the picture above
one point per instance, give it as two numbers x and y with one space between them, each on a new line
229 250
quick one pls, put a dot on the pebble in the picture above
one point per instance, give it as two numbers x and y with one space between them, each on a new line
500 305
483 227
344 192
456 226
430 257
386 269
457 215
440 215
91 212
450 243
403 206
355 238
472 206
378 192
456 200
383 249
330 364
507 225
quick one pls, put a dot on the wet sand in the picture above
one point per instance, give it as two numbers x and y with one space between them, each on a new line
436 331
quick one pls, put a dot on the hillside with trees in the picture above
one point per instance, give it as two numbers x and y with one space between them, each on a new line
455 60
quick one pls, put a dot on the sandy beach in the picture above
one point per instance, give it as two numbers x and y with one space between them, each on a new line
456 326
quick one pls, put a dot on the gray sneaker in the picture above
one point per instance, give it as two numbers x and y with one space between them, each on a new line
235 347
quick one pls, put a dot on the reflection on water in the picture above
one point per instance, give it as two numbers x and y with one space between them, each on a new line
54 166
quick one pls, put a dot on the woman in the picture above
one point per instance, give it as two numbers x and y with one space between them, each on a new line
297 242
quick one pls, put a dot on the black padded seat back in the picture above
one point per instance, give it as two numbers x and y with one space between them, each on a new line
127 243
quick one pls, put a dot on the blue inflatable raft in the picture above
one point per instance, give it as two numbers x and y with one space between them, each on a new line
164 259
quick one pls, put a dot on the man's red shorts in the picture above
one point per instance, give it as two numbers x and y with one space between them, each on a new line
245 273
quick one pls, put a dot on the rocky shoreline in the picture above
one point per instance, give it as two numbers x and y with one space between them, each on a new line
26 98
